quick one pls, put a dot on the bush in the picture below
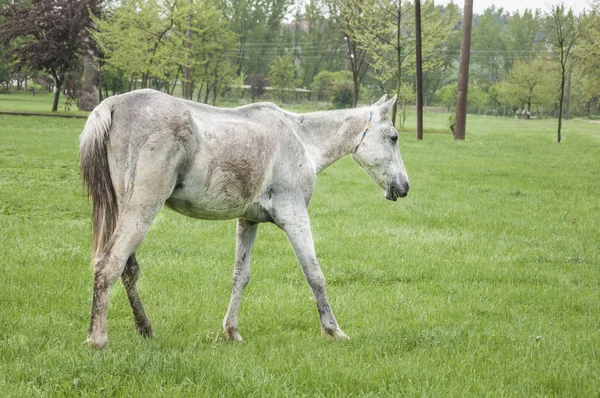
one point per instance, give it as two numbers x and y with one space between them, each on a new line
452 122
342 96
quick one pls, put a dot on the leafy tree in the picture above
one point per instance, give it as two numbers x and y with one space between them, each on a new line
447 95
524 38
138 38
532 82
406 96
342 96
386 31
502 94
254 22
587 56
477 97
487 44
324 83
48 35
320 48
349 23
258 85
212 45
564 30
281 74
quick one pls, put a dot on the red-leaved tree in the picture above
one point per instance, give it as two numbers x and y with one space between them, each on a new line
48 35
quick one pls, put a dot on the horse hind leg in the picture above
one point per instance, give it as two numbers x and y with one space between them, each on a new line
129 278
109 266
154 182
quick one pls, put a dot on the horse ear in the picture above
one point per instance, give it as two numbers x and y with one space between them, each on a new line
381 100
385 108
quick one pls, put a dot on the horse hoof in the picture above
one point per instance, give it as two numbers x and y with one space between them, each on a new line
146 332
233 335
96 344
337 334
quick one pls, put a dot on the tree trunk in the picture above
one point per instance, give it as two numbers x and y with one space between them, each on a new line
463 75
560 104
90 83
356 91
568 103
59 82
419 85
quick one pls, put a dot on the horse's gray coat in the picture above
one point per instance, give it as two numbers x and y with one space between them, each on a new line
256 163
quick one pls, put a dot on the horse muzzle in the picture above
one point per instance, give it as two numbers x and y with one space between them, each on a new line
396 191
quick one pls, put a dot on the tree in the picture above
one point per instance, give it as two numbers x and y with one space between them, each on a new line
386 30
320 47
489 49
587 55
254 21
563 36
531 82
138 38
48 35
524 37
258 85
502 94
324 82
351 13
281 74
447 95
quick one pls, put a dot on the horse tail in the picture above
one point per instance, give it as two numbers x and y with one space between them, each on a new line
95 173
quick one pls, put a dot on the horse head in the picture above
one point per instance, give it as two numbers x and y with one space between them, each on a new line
378 152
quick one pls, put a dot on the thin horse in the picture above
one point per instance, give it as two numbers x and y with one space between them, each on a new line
257 163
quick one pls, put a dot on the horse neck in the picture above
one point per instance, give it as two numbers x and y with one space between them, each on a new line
329 136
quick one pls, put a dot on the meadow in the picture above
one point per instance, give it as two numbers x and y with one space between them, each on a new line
484 281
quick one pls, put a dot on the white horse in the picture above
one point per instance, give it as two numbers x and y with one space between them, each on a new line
257 163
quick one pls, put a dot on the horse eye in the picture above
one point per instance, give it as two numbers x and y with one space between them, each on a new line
394 138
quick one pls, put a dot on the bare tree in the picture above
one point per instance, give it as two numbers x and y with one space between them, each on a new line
564 35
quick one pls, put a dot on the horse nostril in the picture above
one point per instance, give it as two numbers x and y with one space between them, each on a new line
406 187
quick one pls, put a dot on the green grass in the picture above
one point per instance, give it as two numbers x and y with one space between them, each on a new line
41 102
482 282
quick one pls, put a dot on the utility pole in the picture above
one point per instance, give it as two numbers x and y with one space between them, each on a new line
463 74
419 70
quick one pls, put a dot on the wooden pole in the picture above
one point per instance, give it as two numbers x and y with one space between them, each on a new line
419 85
463 74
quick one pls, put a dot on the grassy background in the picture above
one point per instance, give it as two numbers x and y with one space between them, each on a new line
483 281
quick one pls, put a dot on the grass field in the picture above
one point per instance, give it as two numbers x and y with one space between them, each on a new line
484 281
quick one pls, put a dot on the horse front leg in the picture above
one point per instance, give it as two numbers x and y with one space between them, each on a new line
297 228
246 233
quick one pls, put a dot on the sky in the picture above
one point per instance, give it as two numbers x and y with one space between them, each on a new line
520 5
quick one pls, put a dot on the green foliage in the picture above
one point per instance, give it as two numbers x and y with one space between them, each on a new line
138 38
587 56
324 83
452 122
447 95
406 96
477 97
281 73
342 96
534 83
